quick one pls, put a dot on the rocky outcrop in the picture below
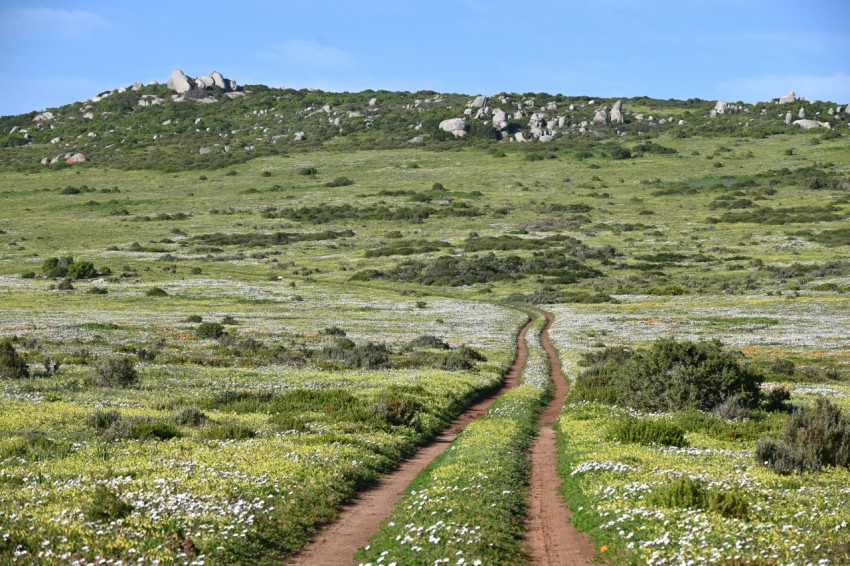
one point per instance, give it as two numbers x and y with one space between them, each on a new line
600 117
811 124
180 83
616 116
788 98
76 158
788 117
479 101
457 126
802 113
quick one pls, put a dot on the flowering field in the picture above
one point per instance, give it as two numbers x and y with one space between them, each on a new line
613 487
206 462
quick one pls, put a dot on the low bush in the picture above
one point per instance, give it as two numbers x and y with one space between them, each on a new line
227 431
209 330
670 376
686 493
814 438
106 506
647 432
156 292
189 416
115 371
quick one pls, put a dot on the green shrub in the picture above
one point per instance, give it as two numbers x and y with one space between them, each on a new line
115 371
814 438
647 432
227 431
106 506
670 376
209 330
189 416
309 171
11 364
156 292
370 355
340 182
101 420
55 267
685 493
28 275
82 270
428 341
194 318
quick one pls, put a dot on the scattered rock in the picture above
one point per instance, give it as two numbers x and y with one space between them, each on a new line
682 122
480 101
373 101
802 113
519 137
455 126
136 86
600 117
417 139
57 139
545 138
179 82
205 150
811 124
788 117
299 136
88 116
44 117
788 98
617 113
500 119
76 158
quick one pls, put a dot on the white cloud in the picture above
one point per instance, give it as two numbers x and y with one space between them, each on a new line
309 55
39 22
834 87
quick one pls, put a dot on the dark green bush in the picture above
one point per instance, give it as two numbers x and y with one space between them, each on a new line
194 318
428 341
55 267
28 275
685 493
11 364
370 355
227 431
647 432
82 270
814 438
309 171
209 330
189 416
115 371
106 506
340 182
156 292
670 376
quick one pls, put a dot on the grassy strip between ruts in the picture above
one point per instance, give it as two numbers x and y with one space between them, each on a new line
469 506
710 502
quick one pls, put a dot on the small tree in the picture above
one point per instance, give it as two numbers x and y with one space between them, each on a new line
11 364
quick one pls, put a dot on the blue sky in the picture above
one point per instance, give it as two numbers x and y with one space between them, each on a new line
53 52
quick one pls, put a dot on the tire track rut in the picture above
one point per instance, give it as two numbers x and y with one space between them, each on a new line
551 538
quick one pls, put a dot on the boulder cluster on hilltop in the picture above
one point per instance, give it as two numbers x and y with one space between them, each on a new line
181 84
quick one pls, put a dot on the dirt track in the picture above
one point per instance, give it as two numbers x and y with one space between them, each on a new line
551 539
336 543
